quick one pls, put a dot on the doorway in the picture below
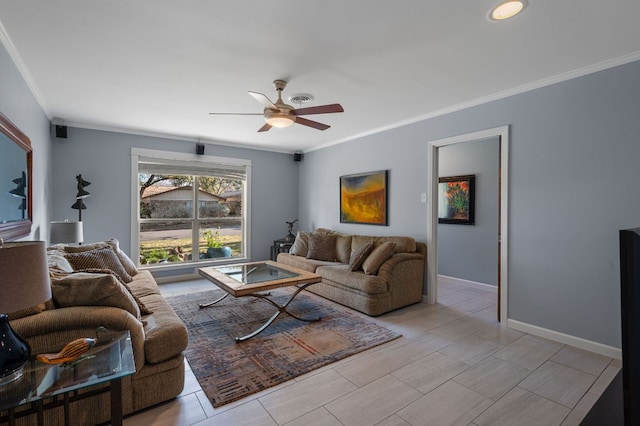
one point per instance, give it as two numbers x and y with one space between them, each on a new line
502 133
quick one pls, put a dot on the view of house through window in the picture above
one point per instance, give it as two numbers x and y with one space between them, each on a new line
190 213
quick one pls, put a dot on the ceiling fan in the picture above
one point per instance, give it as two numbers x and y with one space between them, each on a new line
279 114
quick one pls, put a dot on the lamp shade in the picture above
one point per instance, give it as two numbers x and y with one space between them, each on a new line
25 275
25 283
65 232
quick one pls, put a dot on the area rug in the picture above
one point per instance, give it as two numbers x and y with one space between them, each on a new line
228 371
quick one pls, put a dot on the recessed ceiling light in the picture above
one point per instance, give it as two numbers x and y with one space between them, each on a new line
507 9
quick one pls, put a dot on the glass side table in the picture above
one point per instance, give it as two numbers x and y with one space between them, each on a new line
44 386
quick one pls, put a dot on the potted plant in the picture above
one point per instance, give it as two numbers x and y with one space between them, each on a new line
215 246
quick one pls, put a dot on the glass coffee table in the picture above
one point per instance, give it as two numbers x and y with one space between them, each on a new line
256 279
46 386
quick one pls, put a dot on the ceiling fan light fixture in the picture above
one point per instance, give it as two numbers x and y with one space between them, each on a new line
507 9
278 119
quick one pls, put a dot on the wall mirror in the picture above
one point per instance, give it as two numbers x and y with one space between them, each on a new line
15 181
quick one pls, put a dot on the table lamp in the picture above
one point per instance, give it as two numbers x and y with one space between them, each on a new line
65 232
25 283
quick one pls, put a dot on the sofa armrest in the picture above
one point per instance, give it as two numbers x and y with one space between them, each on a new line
50 330
396 259
404 274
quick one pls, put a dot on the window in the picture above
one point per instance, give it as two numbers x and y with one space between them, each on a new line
189 208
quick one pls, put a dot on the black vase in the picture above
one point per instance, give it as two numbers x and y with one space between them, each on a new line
14 352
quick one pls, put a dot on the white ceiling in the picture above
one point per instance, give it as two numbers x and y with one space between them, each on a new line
162 66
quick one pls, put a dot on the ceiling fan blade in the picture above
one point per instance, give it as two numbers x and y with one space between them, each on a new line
263 100
311 123
321 109
264 128
236 113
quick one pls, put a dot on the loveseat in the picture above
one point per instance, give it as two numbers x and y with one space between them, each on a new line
97 285
371 274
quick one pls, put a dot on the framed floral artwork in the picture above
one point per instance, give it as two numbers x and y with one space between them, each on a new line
456 199
363 198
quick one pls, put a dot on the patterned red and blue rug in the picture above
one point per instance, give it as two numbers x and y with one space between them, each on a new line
228 371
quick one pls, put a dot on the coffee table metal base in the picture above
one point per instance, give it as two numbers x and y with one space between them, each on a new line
281 309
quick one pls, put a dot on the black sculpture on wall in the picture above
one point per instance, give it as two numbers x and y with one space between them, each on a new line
81 195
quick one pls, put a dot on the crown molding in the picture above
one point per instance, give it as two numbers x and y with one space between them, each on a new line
5 40
590 69
160 135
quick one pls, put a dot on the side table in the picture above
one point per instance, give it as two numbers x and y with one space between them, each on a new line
45 386
280 246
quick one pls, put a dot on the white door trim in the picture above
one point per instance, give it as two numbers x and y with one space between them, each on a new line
432 210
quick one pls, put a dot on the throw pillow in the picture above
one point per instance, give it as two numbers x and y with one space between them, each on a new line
322 247
300 246
343 248
88 289
358 256
126 261
359 240
84 247
100 258
325 231
377 257
143 308
57 262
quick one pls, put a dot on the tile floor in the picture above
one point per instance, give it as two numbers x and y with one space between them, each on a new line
454 365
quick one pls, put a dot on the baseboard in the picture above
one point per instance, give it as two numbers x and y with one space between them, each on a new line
467 283
176 278
566 339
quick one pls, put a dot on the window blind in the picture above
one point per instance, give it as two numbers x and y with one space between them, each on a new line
189 168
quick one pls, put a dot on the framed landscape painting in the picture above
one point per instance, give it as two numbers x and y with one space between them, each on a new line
363 198
456 199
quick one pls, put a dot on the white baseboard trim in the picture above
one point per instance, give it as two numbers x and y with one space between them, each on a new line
566 339
467 283
176 278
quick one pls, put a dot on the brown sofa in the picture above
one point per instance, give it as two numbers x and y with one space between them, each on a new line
86 299
370 274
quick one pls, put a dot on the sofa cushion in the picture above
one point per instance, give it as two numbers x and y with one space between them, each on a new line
300 246
322 247
343 248
90 289
143 284
100 258
342 275
165 334
302 262
358 257
377 257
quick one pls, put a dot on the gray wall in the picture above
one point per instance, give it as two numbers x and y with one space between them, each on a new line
573 174
470 252
19 105
104 159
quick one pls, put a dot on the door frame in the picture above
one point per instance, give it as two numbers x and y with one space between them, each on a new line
432 211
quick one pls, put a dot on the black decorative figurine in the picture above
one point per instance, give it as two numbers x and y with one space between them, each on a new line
79 205
290 237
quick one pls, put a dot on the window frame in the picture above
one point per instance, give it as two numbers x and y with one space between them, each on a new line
138 154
